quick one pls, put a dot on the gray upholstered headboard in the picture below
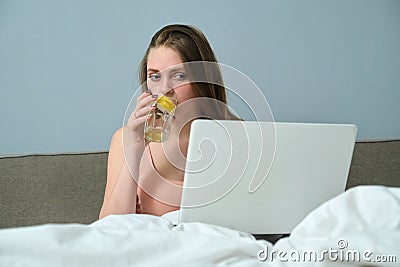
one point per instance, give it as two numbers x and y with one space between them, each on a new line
38 189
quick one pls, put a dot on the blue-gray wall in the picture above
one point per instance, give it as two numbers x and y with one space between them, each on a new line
69 68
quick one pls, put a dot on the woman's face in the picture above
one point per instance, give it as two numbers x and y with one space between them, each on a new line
165 71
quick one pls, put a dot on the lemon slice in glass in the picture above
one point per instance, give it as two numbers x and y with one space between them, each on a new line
165 104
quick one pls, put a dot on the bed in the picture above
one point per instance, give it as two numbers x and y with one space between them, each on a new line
357 228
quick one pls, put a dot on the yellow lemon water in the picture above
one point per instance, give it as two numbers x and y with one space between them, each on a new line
155 135
158 126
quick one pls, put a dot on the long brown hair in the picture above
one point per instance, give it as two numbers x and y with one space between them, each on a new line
192 46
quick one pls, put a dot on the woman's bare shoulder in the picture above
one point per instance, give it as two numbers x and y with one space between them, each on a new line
117 136
115 154
117 141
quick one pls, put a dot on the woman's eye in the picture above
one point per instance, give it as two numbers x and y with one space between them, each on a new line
154 77
179 76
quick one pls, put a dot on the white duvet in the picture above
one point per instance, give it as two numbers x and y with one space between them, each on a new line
361 227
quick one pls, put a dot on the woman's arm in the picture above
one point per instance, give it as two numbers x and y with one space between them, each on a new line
126 150
121 188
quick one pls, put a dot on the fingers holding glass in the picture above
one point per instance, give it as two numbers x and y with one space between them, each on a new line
139 115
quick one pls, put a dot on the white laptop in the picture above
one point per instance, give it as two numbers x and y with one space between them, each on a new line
263 177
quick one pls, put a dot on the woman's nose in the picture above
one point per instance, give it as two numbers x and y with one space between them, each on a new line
161 89
167 85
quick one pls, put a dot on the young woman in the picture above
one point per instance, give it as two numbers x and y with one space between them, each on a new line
146 177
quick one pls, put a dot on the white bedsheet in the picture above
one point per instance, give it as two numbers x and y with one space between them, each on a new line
364 219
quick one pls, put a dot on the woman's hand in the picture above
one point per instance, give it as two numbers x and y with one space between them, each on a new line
135 126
